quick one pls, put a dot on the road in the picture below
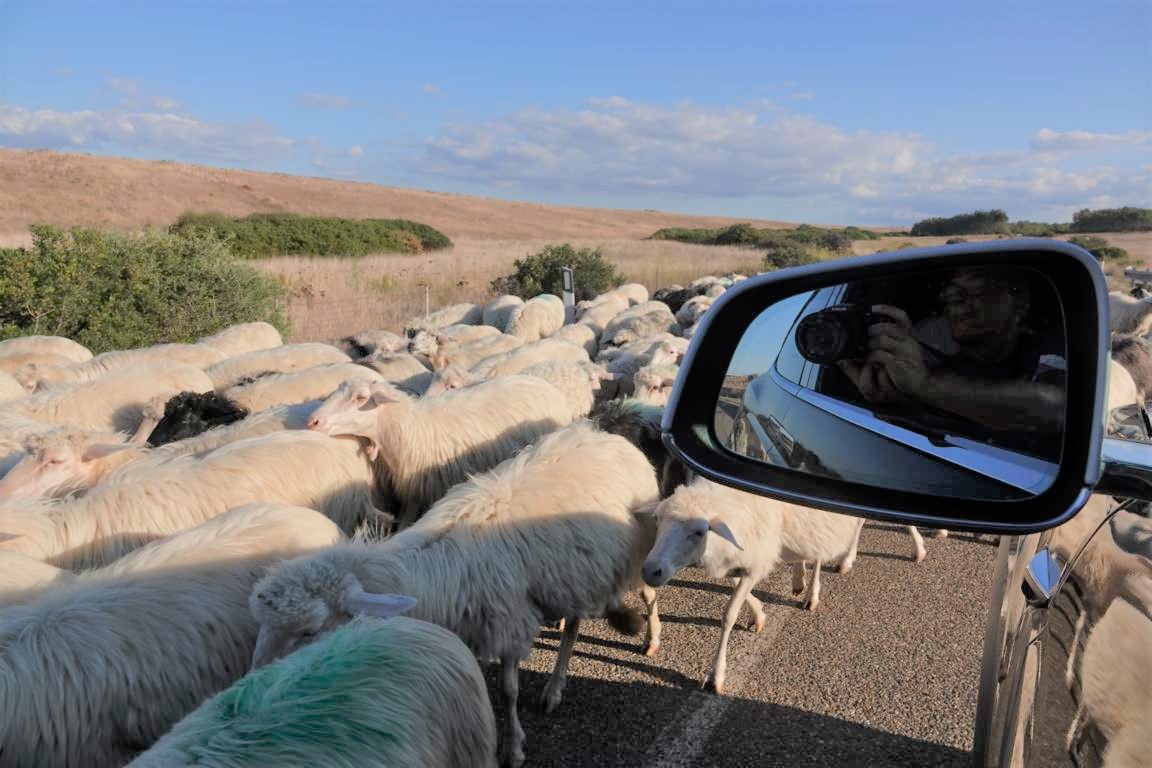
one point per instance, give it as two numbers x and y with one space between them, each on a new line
884 673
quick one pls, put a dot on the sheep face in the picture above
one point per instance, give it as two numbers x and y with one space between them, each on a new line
450 378
190 413
681 538
353 409
54 464
424 343
305 600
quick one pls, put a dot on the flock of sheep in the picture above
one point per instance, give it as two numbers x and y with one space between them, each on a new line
197 541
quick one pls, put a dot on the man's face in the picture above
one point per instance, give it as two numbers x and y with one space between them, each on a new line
978 307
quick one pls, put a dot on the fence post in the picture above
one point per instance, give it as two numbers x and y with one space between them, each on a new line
569 295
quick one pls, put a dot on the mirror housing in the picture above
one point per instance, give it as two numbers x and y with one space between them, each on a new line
1078 280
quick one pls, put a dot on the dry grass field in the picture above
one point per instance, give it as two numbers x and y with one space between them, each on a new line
328 297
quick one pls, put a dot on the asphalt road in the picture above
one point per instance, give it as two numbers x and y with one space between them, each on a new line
884 673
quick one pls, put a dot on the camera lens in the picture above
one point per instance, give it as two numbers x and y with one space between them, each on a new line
822 338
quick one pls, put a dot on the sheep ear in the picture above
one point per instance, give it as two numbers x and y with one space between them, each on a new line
646 512
721 529
380 606
9 536
383 393
372 448
93 452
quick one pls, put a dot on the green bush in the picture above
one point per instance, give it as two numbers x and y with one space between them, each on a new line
540 273
956 240
786 255
118 290
1099 248
283 234
836 241
1038 228
992 222
1126 219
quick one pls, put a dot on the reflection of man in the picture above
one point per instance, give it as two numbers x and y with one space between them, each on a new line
977 360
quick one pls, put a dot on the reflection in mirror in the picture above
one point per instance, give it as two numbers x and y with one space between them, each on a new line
949 382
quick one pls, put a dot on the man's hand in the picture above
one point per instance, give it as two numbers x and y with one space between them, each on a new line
871 379
894 350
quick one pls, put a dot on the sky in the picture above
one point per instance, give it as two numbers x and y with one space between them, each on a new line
871 113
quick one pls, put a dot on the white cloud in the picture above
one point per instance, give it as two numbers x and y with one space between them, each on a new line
250 141
124 85
323 101
802 96
431 89
615 146
133 97
356 151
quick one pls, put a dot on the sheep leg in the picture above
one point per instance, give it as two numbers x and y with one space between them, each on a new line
652 642
812 599
1073 647
942 533
731 613
850 558
512 748
554 689
757 608
918 543
798 577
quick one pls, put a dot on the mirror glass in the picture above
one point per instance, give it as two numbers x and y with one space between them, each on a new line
949 382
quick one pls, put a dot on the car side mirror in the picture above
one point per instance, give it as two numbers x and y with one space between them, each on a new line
959 387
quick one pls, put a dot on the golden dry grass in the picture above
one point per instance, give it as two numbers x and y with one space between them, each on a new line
329 298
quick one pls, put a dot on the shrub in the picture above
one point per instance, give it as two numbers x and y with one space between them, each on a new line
956 240
118 290
1099 248
786 255
282 234
540 273
837 241
992 222
1126 219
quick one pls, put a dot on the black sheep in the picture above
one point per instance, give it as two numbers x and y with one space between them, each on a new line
190 413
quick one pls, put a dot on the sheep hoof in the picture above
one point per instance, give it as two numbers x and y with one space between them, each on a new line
845 567
758 626
550 700
810 605
717 686
652 649
921 556
797 590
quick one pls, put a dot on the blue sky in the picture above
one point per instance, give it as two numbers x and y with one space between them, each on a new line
825 112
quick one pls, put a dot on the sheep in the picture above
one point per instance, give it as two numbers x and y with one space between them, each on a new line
470 355
635 293
399 693
64 461
97 670
578 382
10 362
1128 315
675 296
113 402
702 284
640 321
36 377
1122 392
714 291
1135 354
693 310
456 314
581 335
284 359
539 317
753 534
625 365
599 316
244 337
186 415
639 423
498 312
402 369
23 578
516 360
653 383
131 509
10 389
314 383
617 302
15 430
690 331
492 561
1116 682
428 343
429 445
73 351
365 343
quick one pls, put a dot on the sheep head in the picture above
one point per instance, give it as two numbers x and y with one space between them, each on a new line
304 599
424 343
353 409
57 462
682 527
449 378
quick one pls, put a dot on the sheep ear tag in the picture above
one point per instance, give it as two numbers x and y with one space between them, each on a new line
721 529
380 606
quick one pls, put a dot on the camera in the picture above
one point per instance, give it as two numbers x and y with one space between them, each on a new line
839 332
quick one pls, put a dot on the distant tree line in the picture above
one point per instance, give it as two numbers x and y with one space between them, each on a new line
995 222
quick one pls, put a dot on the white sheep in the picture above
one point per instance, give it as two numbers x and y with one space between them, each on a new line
97 670
653 384
35 377
1129 315
10 362
10 389
607 299
365 343
752 534
498 312
714 291
532 353
66 460
582 335
314 383
693 310
23 578
635 293
14 431
399 693
130 510
624 365
702 284
451 377
1116 682
598 317
491 561
431 444
539 317
56 345
244 337
455 314
283 359
639 322
405 370
428 343
113 402
578 382
470 355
